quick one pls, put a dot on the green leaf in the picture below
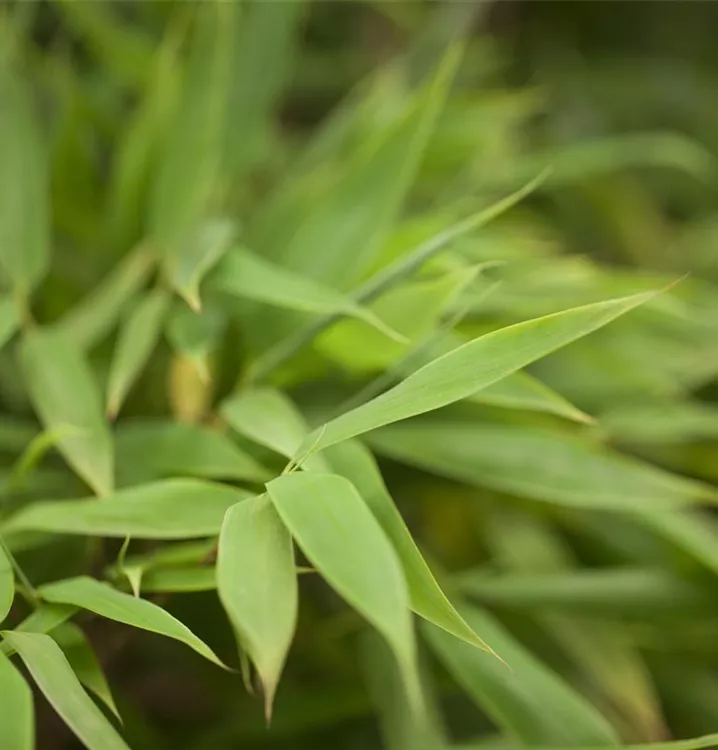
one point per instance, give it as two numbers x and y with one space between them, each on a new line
182 193
540 464
353 461
261 606
180 580
170 509
102 599
65 394
475 365
265 41
24 189
17 723
694 743
94 316
135 344
523 696
54 676
269 418
196 334
248 276
9 319
7 583
613 592
662 423
338 240
342 539
84 663
151 450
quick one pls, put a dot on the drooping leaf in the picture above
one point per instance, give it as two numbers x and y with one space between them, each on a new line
537 463
7 583
151 450
17 721
170 509
355 462
24 189
182 193
136 341
54 676
338 533
248 276
102 599
84 663
65 394
95 315
257 585
523 696
473 366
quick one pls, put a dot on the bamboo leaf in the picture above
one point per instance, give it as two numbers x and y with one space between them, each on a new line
17 725
353 461
694 743
136 341
342 539
7 583
9 319
257 585
170 509
149 450
65 394
84 663
94 316
24 189
540 464
184 187
473 366
523 696
54 676
102 599
248 276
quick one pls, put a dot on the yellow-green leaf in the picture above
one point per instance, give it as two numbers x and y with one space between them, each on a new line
17 720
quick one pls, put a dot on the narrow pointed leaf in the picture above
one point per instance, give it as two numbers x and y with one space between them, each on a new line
152 450
694 743
257 585
340 536
473 366
54 676
94 316
353 461
180 579
7 583
81 657
65 394
136 341
536 463
523 696
170 509
9 319
245 275
17 722
186 177
102 599
24 189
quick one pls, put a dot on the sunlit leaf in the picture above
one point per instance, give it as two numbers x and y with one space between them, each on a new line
257 585
136 340
7 583
17 723
352 460
170 509
65 394
523 696
340 536
54 676
475 365
102 599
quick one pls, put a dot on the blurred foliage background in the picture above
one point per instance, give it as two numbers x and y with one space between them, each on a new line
619 101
